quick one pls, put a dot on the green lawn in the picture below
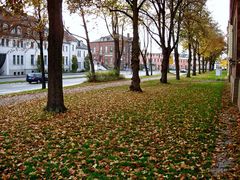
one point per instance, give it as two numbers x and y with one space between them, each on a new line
168 131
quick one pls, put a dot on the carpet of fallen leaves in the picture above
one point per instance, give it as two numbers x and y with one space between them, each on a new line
168 131
226 156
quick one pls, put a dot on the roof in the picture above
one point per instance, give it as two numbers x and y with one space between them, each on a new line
68 37
81 45
183 55
110 38
26 23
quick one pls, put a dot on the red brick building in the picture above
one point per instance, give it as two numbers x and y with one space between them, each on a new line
157 61
234 49
103 51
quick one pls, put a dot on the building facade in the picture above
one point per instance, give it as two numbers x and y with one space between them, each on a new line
19 52
103 51
157 61
234 50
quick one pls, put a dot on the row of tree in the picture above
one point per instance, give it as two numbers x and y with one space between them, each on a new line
168 23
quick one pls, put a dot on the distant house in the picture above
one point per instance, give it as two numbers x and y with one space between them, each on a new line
234 50
19 51
103 51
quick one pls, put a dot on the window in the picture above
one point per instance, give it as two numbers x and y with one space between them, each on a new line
19 30
7 42
72 47
45 60
79 54
63 48
14 43
111 49
32 60
45 45
18 60
106 49
18 43
66 49
32 44
101 50
15 30
14 60
21 60
94 50
5 27
84 54
66 60
2 43
21 44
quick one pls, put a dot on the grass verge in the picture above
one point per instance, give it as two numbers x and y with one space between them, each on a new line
168 131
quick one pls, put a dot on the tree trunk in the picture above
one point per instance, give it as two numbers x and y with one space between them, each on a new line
145 61
194 62
88 46
189 59
116 36
176 58
42 60
206 63
135 84
209 66
117 55
203 64
165 65
55 40
41 38
199 63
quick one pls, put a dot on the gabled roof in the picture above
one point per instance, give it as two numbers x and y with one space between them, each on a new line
109 38
81 45
69 38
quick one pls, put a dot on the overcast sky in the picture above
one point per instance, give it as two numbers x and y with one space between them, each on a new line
219 10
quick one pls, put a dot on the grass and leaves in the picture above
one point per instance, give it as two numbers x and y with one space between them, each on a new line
168 131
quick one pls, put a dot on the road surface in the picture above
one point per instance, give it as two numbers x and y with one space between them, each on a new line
68 80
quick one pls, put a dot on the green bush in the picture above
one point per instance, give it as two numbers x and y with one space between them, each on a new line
87 63
74 64
104 76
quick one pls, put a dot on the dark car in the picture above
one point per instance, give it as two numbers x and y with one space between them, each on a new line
35 77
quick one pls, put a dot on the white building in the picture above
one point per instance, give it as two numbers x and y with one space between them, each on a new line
19 53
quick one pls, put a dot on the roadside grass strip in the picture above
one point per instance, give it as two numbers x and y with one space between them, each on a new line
168 131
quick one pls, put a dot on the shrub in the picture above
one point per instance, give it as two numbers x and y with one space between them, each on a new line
74 64
104 76
87 63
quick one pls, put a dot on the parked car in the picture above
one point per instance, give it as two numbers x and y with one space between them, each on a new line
183 71
35 77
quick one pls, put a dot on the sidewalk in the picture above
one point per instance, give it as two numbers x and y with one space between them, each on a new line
6 101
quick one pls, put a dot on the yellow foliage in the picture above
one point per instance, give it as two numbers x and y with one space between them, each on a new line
224 63
171 60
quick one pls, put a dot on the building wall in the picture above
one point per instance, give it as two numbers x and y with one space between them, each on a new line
103 53
26 56
235 51
157 61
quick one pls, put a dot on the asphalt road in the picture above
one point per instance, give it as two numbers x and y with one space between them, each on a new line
68 80
25 86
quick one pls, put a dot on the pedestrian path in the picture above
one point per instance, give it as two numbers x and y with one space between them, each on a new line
12 100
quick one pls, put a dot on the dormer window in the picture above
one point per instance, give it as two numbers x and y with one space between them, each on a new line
19 30
5 27
14 30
